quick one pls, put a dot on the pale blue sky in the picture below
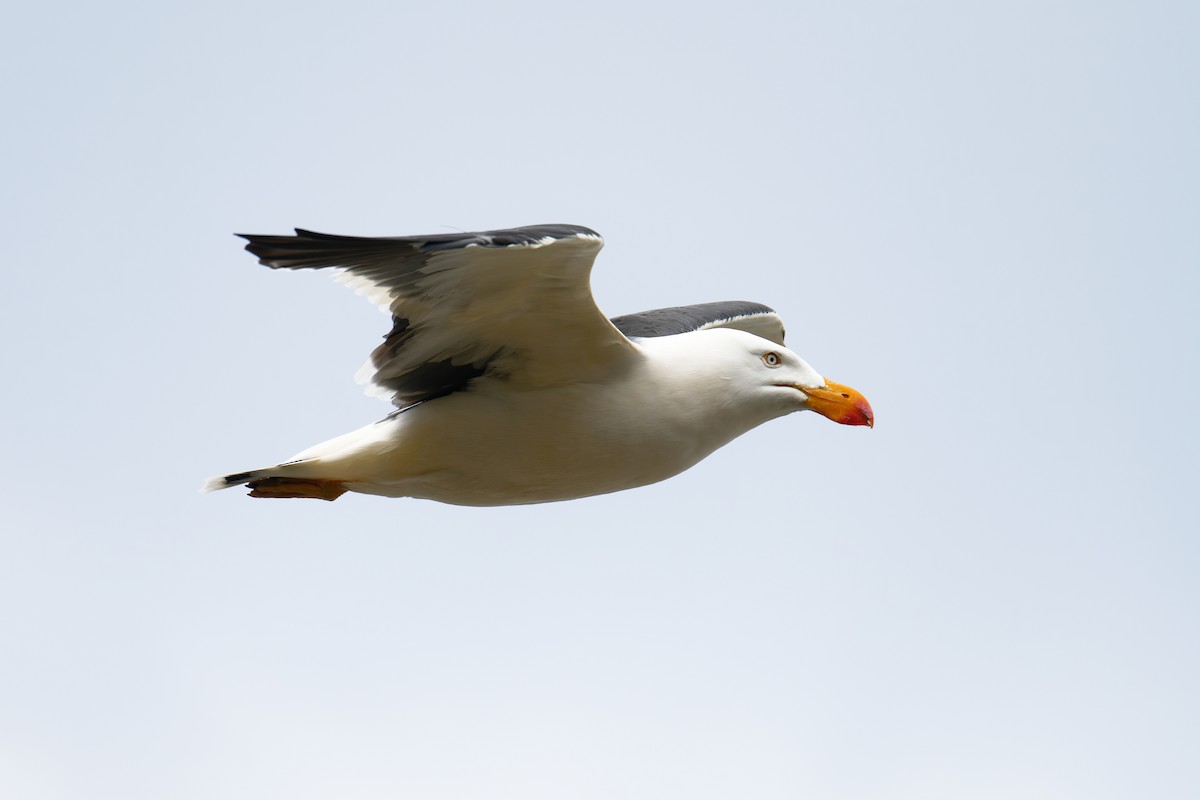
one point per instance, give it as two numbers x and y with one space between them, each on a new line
982 215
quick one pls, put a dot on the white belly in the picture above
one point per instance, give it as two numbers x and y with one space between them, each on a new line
476 448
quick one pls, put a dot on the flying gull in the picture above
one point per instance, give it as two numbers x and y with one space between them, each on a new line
512 387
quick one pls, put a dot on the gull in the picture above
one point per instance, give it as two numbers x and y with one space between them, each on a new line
510 385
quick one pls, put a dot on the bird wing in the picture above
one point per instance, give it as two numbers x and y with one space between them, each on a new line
746 316
513 305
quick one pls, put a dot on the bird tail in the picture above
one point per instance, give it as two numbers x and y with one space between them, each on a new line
269 482
307 474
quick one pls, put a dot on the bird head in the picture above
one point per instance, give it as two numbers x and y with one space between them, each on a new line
781 369
762 379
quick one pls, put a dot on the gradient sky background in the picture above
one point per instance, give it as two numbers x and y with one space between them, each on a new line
983 215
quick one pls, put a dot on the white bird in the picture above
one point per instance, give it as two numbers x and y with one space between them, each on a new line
511 385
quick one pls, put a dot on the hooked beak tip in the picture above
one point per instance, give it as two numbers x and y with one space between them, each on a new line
842 404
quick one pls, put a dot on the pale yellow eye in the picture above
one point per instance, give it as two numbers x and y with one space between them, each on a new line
772 359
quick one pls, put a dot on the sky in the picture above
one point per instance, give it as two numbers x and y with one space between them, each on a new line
981 215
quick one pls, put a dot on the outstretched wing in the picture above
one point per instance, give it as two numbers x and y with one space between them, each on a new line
513 305
750 317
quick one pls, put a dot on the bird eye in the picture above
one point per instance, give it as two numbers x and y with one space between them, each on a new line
772 359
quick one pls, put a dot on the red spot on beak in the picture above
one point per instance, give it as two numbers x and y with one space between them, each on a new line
841 404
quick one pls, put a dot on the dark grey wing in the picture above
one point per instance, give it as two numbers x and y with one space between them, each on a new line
746 316
513 304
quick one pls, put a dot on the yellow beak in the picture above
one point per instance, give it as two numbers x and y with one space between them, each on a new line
841 404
